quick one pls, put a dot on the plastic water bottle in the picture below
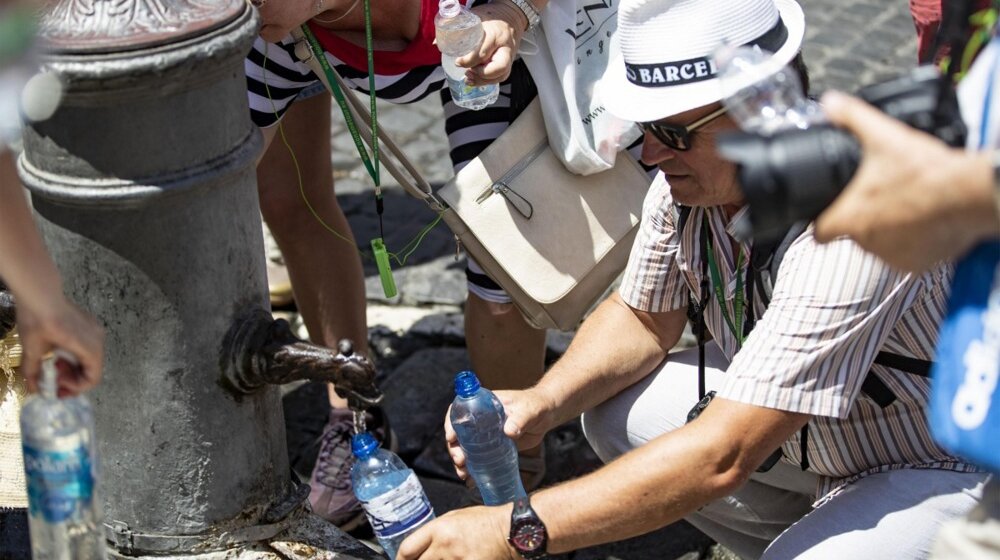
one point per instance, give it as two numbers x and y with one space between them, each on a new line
390 493
761 94
60 464
459 32
491 457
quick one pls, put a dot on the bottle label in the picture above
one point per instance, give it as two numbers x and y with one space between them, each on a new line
399 510
461 91
60 483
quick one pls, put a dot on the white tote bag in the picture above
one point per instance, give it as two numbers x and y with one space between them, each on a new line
574 44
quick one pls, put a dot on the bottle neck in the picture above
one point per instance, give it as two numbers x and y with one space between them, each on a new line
449 8
48 385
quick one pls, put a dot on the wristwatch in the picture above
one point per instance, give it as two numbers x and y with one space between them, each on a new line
528 535
529 11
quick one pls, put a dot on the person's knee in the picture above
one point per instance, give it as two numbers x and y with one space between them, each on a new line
606 431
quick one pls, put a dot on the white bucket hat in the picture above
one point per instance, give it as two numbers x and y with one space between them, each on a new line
664 65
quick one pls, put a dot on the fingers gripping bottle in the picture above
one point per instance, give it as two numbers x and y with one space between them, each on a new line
491 457
393 498
60 464
459 32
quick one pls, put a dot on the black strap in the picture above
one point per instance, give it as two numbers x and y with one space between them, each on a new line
804 447
700 323
760 259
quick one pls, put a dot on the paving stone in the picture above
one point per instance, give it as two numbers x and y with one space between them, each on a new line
434 461
442 328
417 395
444 495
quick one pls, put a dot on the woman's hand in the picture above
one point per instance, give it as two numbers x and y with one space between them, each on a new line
503 24
279 17
59 324
530 415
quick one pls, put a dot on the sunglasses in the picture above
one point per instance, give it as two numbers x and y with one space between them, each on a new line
678 137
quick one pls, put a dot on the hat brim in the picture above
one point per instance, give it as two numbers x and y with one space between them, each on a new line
642 104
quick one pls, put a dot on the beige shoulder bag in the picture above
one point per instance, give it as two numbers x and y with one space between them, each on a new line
555 241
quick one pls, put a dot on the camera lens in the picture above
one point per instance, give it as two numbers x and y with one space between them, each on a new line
791 176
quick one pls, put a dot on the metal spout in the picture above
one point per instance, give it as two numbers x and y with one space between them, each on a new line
260 350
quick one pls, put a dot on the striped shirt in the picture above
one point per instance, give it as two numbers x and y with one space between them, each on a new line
832 309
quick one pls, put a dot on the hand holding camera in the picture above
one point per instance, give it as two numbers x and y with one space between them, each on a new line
793 162
896 205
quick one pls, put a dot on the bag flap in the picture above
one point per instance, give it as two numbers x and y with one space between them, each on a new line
551 227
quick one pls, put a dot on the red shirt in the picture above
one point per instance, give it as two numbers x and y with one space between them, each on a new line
420 52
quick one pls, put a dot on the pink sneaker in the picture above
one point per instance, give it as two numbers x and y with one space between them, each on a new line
331 495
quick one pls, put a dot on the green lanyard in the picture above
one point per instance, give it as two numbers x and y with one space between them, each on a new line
373 169
371 163
738 299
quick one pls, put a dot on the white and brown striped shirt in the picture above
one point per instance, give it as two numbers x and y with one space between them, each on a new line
833 308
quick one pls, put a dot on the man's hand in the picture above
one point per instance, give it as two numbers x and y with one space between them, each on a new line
503 24
61 325
530 415
914 201
476 533
279 17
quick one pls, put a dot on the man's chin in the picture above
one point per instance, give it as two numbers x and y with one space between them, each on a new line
683 190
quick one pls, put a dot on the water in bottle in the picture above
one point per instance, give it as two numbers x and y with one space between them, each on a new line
458 32
760 95
60 464
491 457
391 494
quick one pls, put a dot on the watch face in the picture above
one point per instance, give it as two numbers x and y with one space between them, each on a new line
528 537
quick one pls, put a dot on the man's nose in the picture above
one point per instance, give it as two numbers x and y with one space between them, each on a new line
654 151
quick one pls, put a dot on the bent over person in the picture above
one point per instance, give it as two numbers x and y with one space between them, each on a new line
816 443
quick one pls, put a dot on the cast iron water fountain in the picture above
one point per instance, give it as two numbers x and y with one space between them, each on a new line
143 183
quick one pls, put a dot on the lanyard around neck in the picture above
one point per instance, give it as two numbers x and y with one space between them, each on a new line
371 163
738 299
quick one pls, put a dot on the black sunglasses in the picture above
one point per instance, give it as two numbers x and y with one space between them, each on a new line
678 137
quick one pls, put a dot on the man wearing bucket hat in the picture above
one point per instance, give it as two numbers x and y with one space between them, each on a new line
857 476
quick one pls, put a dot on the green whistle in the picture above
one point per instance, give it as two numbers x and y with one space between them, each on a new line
384 270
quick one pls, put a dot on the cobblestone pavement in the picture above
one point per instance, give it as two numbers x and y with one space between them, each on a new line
418 335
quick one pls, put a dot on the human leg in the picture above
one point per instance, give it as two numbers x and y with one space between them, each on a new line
976 536
325 268
745 522
894 514
326 276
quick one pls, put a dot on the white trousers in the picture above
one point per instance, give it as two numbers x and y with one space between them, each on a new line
889 515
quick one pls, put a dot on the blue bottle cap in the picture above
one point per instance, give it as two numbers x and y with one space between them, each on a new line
364 445
466 384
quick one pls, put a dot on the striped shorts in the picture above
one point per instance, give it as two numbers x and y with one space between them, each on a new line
276 78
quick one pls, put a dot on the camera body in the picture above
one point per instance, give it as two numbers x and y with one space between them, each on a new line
794 174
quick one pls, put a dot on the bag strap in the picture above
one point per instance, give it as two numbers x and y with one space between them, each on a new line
768 257
412 181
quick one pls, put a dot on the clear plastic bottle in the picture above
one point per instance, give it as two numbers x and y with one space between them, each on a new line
390 492
459 31
491 457
761 94
60 463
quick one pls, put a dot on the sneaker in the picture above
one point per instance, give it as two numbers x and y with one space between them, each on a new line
331 495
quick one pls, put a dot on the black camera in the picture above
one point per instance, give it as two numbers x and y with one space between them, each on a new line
795 174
